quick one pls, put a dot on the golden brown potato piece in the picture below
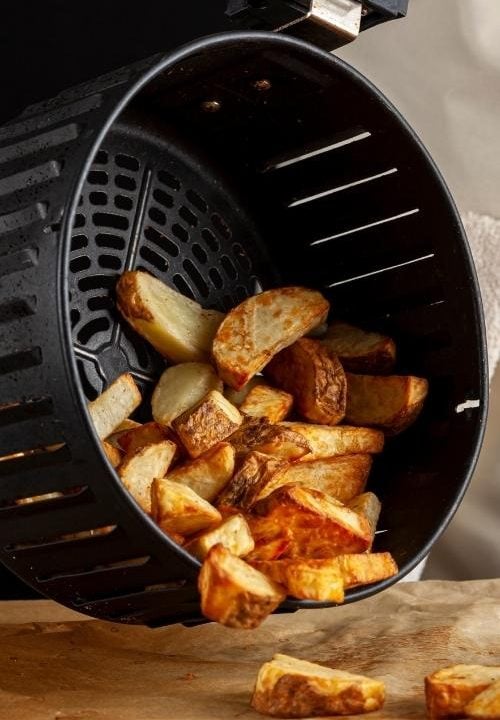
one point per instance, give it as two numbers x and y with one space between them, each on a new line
178 509
233 533
237 396
114 405
320 526
266 402
360 351
486 705
122 428
365 568
343 477
208 422
315 378
254 473
256 434
390 402
260 327
233 593
178 327
448 691
326 441
140 467
291 688
208 474
112 453
180 387
368 505
306 579
151 432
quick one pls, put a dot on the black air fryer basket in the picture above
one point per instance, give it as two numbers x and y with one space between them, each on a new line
241 161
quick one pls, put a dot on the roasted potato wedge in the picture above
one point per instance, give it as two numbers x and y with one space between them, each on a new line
343 477
260 327
365 568
389 402
266 548
306 579
448 691
135 438
368 505
256 434
122 428
180 387
287 687
209 473
178 509
233 533
254 473
237 396
112 453
486 705
266 402
314 377
114 405
178 327
234 593
320 526
360 351
140 467
326 441
208 422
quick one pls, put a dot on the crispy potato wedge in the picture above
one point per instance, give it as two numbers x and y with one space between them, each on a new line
390 402
368 505
486 705
233 533
266 402
208 422
180 387
254 473
260 327
112 453
306 579
124 427
208 474
287 687
320 526
139 468
360 351
233 593
237 396
114 405
314 377
343 477
265 548
365 568
326 441
256 434
178 327
151 432
178 509
448 691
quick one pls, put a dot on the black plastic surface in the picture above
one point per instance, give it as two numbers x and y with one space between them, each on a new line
312 178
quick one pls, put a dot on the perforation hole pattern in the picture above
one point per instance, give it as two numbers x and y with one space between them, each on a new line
135 213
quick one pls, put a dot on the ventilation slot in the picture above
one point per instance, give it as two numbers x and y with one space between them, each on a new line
122 202
196 200
195 276
345 138
97 177
180 232
97 282
340 188
101 158
221 226
119 564
161 241
17 308
163 198
127 162
113 242
33 458
216 278
242 257
17 412
157 261
100 303
188 216
21 360
109 262
79 264
78 242
381 270
157 216
74 317
360 228
92 328
210 239
199 253
98 198
89 390
169 180
79 221
118 222
60 539
182 286
228 267
124 182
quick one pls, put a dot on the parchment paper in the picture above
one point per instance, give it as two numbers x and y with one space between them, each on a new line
57 665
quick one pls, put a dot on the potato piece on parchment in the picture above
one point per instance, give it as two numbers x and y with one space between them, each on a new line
314 377
209 473
390 402
257 434
207 423
267 402
360 351
114 405
233 533
254 473
449 690
233 593
178 327
178 509
287 687
260 327
486 705
326 441
343 477
140 468
306 579
180 387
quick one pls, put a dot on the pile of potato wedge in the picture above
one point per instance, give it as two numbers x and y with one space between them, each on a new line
261 441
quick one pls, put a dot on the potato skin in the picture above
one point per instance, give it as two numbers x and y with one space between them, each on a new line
314 376
207 423
360 351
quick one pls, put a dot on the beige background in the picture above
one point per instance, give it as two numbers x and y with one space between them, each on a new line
441 68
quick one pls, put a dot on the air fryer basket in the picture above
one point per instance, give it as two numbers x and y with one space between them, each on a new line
241 161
